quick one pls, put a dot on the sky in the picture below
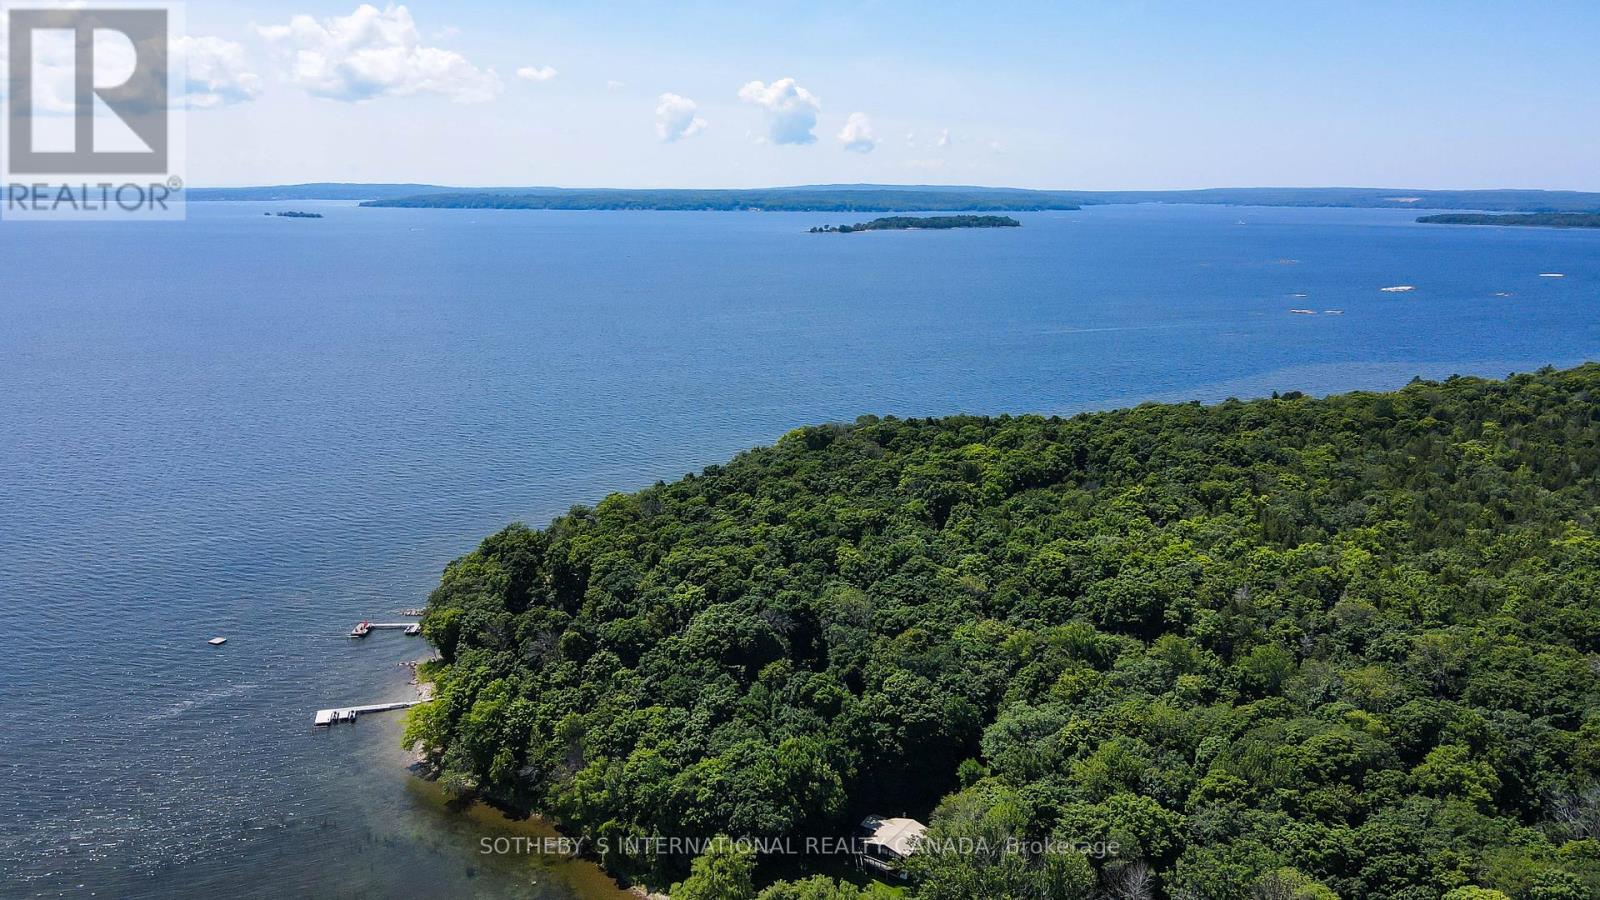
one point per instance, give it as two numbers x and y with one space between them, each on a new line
1092 95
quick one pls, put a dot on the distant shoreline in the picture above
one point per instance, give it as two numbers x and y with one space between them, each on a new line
1533 220
864 198
819 200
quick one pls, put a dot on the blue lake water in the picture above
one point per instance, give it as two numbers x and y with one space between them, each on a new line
269 428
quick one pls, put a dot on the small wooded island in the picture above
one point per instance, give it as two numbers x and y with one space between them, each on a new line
1530 220
908 223
292 214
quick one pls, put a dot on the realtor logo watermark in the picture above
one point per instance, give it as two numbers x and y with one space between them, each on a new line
92 132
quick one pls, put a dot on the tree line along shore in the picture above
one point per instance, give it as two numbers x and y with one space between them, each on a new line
1531 220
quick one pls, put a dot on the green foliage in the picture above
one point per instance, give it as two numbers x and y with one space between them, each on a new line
824 888
1450 771
1289 884
1540 220
1301 645
723 872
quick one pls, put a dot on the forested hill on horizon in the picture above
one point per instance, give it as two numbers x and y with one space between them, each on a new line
899 198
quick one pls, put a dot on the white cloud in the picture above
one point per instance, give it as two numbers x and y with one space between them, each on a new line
939 140
676 118
614 85
857 134
54 67
791 109
375 53
216 72
536 73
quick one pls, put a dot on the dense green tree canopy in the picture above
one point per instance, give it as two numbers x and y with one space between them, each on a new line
720 873
1285 648
1536 220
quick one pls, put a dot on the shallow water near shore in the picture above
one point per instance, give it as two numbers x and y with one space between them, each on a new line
268 429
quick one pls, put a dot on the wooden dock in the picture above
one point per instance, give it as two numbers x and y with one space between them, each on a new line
362 629
349 713
399 625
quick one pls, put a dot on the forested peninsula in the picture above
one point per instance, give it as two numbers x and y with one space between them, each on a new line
1534 220
917 223
901 198
821 199
1294 647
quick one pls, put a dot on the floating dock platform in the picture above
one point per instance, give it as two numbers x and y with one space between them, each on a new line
349 713
363 629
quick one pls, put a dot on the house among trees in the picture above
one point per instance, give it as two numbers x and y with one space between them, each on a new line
885 843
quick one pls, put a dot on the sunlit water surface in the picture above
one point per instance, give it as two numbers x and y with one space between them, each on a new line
269 428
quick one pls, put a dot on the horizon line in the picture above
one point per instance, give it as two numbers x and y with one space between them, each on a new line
892 186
